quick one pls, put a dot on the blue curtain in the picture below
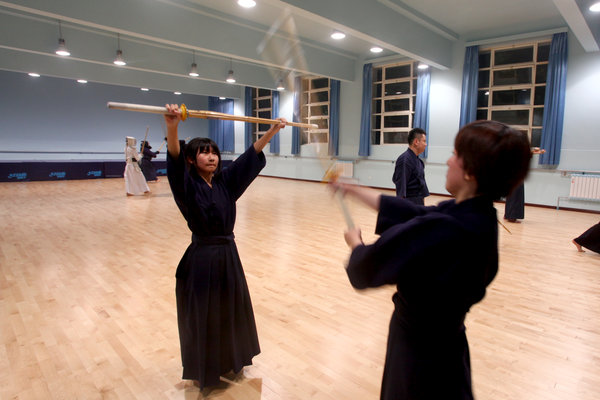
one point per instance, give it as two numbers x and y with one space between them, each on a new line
468 101
248 113
334 117
275 114
221 131
364 147
422 107
296 118
554 102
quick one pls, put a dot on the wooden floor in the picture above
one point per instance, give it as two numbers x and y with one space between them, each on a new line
87 299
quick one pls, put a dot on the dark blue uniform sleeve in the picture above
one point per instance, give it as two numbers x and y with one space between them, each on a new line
242 171
149 153
176 176
395 210
400 176
401 250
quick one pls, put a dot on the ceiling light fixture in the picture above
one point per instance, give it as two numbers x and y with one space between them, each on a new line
337 35
177 93
230 78
81 81
62 48
423 66
194 69
376 49
34 74
144 89
280 86
119 60
247 3
595 7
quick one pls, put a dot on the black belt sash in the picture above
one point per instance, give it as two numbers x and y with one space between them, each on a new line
212 240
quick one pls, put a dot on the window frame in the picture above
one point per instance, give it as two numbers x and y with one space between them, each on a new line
378 134
533 129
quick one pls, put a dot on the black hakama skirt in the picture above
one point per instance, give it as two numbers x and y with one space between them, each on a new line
217 330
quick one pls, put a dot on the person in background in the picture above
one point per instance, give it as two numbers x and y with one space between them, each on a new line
409 173
421 250
146 162
514 207
217 330
589 239
135 183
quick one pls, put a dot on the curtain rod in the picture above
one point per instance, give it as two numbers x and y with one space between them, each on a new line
521 36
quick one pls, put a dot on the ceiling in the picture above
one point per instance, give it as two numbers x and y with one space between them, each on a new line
274 40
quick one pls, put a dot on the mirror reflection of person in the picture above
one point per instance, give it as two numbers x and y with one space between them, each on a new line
421 250
409 173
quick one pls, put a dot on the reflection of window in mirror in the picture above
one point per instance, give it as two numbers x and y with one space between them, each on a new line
315 109
262 108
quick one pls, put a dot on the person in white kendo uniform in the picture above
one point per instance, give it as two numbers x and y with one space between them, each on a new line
135 183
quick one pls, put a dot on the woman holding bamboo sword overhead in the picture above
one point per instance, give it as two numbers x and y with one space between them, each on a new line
217 331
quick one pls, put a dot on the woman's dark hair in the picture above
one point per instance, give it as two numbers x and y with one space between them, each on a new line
495 154
200 145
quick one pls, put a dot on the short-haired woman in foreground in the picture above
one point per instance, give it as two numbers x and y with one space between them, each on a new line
441 258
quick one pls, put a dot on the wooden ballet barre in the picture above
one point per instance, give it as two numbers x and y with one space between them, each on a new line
185 113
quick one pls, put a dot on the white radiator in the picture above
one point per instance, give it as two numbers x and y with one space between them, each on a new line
344 168
585 187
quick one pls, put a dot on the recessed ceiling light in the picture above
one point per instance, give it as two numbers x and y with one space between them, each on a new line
144 89
376 49
222 98
247 3
34 74
81 81
177 93
595 7
423 66
337 35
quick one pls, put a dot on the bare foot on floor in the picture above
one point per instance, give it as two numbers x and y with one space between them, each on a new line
579 249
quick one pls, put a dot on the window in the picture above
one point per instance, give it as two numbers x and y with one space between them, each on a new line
315 110
262 108
394 100
512 86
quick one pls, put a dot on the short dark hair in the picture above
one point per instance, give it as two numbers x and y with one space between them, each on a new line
412 135
495 154
199 145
